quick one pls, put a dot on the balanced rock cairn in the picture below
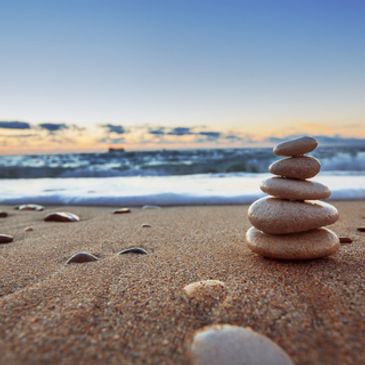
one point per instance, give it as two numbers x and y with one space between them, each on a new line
289 223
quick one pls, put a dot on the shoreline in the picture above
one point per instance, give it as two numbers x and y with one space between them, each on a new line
131 309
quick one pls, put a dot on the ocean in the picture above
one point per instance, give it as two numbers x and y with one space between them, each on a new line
165 177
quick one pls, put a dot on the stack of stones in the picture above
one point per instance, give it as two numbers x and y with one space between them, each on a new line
289 223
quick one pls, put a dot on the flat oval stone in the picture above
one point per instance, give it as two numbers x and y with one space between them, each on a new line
61 217
3 214
146 225
34 207
6 238
122 211
207 292
303 167
135 250
296 147
233 345
81 257
294 189
309 245
276 216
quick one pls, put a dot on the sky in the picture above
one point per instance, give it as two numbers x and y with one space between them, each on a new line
85 75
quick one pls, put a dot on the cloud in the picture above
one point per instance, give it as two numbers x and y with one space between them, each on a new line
53 127
112 128
180 131
211 135
14 125
157 131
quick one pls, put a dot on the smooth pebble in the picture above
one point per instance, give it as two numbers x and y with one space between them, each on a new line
134 250
232 345
309 245
34 207
294 189
62 217
276 216
122 211
81 257
303 167
6 238
296 147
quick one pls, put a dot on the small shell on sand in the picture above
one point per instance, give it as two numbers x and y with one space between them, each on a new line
122 211
61 217
361 229
81 257
233 345
34 207
135 250
6 238
29 229
206 291
3 214
345 240
151 207
146 225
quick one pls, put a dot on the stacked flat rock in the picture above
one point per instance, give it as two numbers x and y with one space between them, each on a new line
289 224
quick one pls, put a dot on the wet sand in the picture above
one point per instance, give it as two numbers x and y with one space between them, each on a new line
131 309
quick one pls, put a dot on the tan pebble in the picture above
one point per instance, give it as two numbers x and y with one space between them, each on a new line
276 216
3 214
6 238
301 168
296 147
81 257
361 229
345 240
61 217
145 225
29 229
34 207
122 211
295 246
233 345
294 189
206 291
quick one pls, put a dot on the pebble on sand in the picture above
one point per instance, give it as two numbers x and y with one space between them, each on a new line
122 211
3 214
61 217
151 207
361 229
6 238
29 229
207 292
146 225
135 250
345 240
35 207
81 257
232 345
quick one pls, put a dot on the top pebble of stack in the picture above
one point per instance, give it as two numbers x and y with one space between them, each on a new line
296 147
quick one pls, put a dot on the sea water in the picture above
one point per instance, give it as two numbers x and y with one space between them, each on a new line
185 177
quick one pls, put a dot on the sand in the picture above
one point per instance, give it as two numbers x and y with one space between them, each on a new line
131 309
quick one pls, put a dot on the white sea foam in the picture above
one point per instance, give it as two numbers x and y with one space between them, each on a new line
168 190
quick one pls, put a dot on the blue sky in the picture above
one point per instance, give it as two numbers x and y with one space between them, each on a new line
252 67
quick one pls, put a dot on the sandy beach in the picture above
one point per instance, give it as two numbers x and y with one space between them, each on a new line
131 309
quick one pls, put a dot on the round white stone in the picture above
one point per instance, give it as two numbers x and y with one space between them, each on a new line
233 345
